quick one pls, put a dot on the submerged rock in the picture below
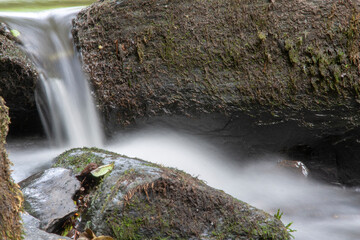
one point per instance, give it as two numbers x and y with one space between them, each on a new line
10 194
48 197
141 200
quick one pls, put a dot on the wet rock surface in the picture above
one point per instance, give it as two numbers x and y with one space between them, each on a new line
48 197
32 230
141 200
296 167
348 159
270 76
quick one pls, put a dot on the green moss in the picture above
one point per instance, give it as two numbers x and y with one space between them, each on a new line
289 44
233 228
140 51
164 211
78 158
126 228
128 175
294 57
221 57
261 36
11 198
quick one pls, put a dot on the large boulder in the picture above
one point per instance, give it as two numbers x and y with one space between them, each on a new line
10 194
18 78
291 59
141 200
271 75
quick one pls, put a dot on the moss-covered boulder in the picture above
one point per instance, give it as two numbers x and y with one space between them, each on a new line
141 200
288 59
277 75
10 194
18 79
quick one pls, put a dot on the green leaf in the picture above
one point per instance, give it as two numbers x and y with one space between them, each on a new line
278 214
102 170
289 225
15 32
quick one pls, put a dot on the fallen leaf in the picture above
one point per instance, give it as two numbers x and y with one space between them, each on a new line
89 235
15 32
102 170
90 167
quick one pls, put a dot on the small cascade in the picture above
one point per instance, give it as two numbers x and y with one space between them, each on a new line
63 94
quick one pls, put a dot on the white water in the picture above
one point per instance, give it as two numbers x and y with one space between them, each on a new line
318 211
63 94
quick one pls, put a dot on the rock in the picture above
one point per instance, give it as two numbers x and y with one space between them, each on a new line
32 230
200 57
48 197
10 195
296 167
348 159
267 78
18 78
141 200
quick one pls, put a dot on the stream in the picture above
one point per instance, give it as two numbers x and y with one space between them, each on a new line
317 210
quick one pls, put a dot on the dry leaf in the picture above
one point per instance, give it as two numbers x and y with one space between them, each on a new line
89 235
103 238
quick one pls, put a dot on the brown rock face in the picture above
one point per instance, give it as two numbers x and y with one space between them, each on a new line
10 194
278 75
287 59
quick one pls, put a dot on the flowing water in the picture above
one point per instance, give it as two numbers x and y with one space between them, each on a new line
36 5
318 211
63 94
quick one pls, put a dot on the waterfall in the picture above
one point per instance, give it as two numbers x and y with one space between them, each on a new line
63 95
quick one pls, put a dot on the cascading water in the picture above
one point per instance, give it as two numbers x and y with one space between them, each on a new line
319 211
63 94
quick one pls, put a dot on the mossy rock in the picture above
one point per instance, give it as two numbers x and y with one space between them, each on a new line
78 159
264 76
288 59
141 200
11 197
18 78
